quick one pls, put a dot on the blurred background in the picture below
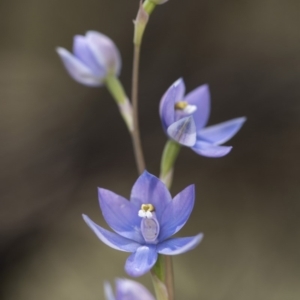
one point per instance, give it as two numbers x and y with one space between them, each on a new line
60 140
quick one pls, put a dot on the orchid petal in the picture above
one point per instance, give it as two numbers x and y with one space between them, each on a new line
131 290
183 131
108 292
167 104
105 51
177 213
210 150
221 133
200 97
148 189
180 87
77 70
120 214
83 52
179 245
111 239
141 261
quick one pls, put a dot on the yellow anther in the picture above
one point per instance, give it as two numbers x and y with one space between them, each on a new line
181 105
147 207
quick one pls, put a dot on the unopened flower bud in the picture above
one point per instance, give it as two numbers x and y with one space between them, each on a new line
95 56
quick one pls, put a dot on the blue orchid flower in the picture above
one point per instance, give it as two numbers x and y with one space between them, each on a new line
127 290
145 224
184 119
95 57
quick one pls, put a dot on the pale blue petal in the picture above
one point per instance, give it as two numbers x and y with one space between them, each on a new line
105 51
180 87
108 292
183 131
201 98
77 70
148 189
120 214
132 290
167 104
221 133
141 261
83 52
177 213
111 239
210 150
179 245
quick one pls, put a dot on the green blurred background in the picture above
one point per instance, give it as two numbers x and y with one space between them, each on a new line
60 140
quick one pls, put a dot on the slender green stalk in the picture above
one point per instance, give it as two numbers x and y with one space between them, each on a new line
160 288
158 274
169 279
162 272
149 6
168 159
138 151
116 89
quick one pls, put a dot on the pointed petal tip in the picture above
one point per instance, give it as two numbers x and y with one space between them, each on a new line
108 292
239 120
200 236
89 32
242 119
112 239
211 151
99 190
148 175
85 217
206 87
78 36
61 50
221 133
178 82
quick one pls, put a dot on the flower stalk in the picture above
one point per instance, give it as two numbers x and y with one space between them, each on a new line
149 6
158 278
168 159
139 28
162 278
162 272
116 89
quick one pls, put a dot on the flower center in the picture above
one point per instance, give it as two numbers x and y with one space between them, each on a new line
146 211
185 107
181 105
149 223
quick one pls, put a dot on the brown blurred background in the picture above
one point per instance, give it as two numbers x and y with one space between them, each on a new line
60 140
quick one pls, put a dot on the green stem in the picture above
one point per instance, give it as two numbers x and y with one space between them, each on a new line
116 89
149 6
136 139
168 159
162 274
158 279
